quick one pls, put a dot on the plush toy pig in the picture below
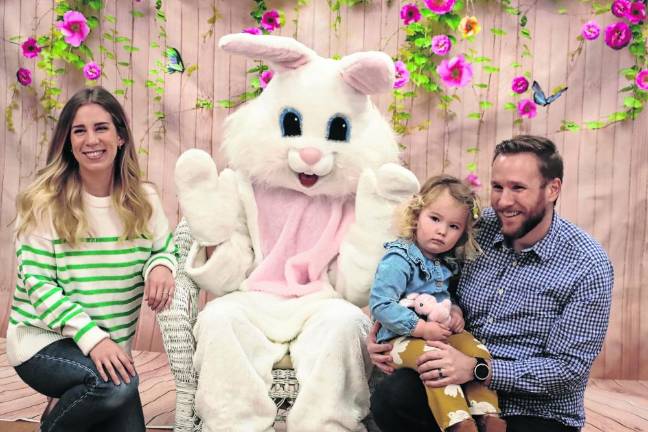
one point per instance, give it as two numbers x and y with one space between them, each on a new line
289 237
426 305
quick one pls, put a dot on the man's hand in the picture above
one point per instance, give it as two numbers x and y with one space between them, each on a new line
445 365
457 322
379 353
159 288
111 360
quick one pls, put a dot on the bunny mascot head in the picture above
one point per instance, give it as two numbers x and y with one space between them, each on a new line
288 238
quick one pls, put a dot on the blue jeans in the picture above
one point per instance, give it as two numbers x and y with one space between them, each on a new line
87 403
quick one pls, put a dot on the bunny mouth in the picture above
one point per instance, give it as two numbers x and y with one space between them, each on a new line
307 180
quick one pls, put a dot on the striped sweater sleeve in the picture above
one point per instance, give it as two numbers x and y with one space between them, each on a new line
37 272
163 251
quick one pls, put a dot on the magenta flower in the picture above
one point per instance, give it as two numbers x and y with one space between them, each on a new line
30 48
402 74
24 76
473 180
526 108
441 45
618 35
74 28
410 13
265 77
620 8
637 12
440 7
252 30
270 20
642 79
590 30
456 72
92 71
520 84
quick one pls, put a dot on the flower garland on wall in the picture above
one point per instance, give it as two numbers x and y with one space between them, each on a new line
436 58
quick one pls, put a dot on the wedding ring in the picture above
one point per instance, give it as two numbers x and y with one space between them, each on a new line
440 372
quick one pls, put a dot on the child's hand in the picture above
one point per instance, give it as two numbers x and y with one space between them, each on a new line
457 322
159 288
433 331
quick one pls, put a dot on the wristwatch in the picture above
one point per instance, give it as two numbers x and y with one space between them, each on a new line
481 370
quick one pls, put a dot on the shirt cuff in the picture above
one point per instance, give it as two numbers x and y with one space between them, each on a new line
502 375
157 261
91 337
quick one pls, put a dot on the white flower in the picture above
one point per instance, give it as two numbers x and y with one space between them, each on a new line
458 416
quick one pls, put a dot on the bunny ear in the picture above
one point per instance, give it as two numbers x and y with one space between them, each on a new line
369 72
282 52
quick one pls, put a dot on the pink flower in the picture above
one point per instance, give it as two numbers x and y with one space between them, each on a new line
526 108
440 7
618 35
473 180
456 72
520 84
410 13
24 76
590 30
637 12
30 48
270 20
642 79
74 28
620 8
402 74
441 45
265 77
252 30
92 71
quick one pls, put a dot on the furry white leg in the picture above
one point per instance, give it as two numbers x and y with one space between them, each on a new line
332 365
234 360
209 203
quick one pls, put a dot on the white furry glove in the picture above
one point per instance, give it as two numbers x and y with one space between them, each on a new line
380 192
208 201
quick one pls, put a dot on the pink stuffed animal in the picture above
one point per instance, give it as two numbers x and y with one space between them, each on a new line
426 305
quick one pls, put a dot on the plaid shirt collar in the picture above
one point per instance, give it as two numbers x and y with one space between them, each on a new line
543 249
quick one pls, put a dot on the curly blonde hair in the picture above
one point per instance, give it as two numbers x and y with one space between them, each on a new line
466 248
55 193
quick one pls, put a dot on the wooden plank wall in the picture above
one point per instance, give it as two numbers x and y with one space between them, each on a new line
606 181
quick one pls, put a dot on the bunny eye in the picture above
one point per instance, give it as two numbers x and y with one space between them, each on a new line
339 128
421 304
290 121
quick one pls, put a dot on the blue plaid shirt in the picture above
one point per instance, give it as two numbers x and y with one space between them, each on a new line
542 313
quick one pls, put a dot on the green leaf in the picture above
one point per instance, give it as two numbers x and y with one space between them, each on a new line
484 105
474 115
562 11
61 8
159 115
226 103
593 125
523 21
191 69
498 31
149 83
471 166
120 92
108 36
155 45
111 19
569 126
510 106
204 104
600 9
472 150
127 82
482 59
136 13
525 33
516 65
480 85
86 51
123 63
617 116
95 4
93 22
423 42
451 20
632 102
419 59
517 122
121 39
491 69
130 48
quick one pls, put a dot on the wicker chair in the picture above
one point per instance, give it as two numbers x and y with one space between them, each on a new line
176 325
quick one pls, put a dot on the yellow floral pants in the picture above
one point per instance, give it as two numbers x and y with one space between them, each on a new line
453 403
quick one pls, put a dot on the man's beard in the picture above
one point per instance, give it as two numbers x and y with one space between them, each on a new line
527 226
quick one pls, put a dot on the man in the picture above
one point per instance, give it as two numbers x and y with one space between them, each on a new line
539 299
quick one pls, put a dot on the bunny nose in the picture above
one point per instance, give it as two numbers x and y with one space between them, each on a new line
310 155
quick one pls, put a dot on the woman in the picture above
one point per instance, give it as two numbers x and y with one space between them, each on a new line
92 240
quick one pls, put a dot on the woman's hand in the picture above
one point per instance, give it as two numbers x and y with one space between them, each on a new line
379 353
159 288
433 331
457 322
444 365
111 360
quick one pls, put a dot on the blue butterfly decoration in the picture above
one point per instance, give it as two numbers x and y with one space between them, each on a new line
175 61
539 96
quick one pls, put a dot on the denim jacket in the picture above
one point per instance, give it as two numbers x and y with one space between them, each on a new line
404 270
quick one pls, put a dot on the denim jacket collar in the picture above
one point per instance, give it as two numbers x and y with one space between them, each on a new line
414 254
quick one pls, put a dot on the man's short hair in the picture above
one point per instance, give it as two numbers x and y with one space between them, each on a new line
550 161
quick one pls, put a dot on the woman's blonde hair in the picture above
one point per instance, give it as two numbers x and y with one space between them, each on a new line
466 248
55 193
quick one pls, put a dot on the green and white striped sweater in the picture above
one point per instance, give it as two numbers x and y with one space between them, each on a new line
88 292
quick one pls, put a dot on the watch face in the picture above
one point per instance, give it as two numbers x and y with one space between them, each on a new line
481 372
